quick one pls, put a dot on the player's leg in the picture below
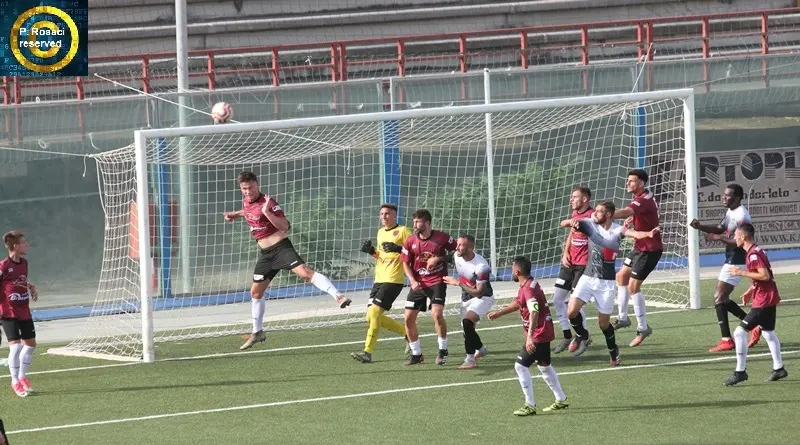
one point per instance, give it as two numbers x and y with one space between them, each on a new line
549 375
472 311
522 367
416 302
767 325
14 337
604 300
623 297
263 273
388 294
581 296
724 305
750 321
437 297
322 283
28 334
373 317
564 284
640 270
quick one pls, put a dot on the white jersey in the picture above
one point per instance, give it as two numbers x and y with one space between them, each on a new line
472 273
733 219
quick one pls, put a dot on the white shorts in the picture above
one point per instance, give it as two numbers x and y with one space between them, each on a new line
480 306
725 274
602 291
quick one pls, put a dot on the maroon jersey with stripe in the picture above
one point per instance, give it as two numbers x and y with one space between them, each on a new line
531 293
765 292
417 251
15 300
579 246
260 226
645 219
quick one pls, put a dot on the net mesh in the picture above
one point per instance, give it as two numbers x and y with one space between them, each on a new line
328 180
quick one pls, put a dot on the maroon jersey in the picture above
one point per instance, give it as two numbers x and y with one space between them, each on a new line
254 211
645 219
765 292
530 295
15 299
416 252
579 247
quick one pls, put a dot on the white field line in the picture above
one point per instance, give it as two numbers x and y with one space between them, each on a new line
374 393
290 348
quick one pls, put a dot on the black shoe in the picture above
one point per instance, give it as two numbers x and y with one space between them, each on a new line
737 377
363 357
777 375
415 360
441 358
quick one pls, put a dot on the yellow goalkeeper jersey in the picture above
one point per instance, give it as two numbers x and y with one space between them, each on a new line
389 268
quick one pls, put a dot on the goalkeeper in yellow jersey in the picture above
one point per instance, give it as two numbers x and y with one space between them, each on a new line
389 279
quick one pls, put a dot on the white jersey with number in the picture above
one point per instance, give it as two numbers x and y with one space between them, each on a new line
472 273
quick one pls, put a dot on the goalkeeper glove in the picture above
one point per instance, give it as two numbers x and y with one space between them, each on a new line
367 247
391 247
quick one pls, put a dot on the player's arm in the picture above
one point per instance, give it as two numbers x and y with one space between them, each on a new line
407 258
533 318
625 213
34 292
715 230
369 249
566 223
230 216
513 307
565 251
635 234
274 213
760 274
587 227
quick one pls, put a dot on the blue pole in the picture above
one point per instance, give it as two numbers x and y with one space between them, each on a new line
164 225
641 137
390 141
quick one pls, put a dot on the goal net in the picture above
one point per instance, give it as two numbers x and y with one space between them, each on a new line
191 278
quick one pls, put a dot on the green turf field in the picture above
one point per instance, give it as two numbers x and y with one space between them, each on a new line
303 387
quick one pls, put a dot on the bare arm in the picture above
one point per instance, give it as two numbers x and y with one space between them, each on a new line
409 274
513 307
533 320
280 222
230 216
476 291
627 212
566 223
716 230
762 274
641 235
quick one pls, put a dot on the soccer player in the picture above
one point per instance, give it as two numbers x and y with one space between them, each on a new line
765 298
597 282
573 263
424 263
538 328
736 215
644 257
15 312
477 296
389 279
269 226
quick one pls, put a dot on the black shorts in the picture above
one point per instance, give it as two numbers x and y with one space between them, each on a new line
642 263
568 277
384 294
275 258
541 356
760 316
418 299
18 329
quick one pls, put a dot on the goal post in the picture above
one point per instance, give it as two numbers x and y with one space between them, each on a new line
499 171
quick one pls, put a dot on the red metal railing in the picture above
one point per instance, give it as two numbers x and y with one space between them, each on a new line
339 65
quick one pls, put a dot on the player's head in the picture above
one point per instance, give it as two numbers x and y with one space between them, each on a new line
604 212
422 221
248 184
745 233
465 245
388 215
637 181
580 197
15 242
520 268
733 195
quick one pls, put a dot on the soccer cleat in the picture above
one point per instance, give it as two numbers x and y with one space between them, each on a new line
565 343
755 336
737 377
26 384
482 352
573 344
777 375
256 337
725 344
415 360
468 364
441 358
19 389
616 359
582 344
559 404
641 334
526 410
620 323
343 301
363 357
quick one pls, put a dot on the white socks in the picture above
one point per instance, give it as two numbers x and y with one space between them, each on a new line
257 307
774 348
416 349
13 361
551 378
740 338
639 309
526 382
622 301
324 284
442 342
26 356
560 298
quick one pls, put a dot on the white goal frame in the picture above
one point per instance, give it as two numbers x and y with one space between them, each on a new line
142 136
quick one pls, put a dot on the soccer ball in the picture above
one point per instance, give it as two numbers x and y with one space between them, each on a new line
221 112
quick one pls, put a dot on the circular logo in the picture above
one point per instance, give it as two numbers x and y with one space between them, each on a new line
40 35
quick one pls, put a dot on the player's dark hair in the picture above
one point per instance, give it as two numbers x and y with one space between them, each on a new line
11 238
585 191
748 229
246 177
467 237
389 206
738 191
523 264
608 205
422 214
639 173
